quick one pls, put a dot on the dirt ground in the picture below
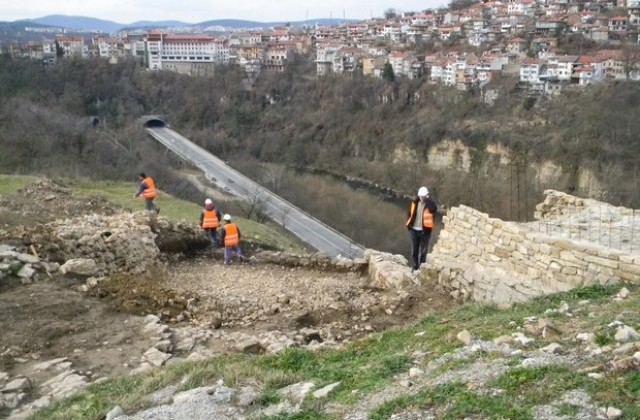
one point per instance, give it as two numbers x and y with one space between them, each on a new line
102 331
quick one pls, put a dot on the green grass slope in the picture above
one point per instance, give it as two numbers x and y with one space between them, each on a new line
120 194
370 366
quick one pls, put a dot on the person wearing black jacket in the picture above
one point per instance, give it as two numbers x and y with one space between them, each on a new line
422 214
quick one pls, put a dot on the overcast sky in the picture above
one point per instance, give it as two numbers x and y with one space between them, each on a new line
193 11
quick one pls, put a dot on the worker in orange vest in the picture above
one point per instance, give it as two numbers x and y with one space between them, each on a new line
148 191
210 218
230 236
422 213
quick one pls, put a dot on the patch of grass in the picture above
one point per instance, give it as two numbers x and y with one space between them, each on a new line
539 385
308 414
455 401
602 339
120 194
268 397
364 365
487 321
9 184
568 410
469 405
386 410
593 293
95 401
620 391
455 364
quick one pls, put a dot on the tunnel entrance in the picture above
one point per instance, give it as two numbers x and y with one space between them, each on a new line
154 123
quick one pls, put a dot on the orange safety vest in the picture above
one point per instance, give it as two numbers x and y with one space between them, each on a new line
231 235
150 191
210 219
427 217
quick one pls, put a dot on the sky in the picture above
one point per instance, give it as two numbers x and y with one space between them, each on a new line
194 11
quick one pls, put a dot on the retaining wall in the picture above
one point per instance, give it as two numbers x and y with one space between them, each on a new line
487 259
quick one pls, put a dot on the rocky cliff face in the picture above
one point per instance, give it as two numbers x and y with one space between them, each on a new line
452 154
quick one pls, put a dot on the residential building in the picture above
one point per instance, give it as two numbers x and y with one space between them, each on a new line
72 45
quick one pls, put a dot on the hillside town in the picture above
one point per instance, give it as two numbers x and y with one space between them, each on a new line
547 45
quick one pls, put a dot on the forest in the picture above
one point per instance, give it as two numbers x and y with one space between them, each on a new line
80 118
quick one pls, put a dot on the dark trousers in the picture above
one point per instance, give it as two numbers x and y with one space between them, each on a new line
419 246
212 235
149 204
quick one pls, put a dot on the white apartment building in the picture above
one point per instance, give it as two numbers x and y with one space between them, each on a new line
396 59
190 48
108 47
530 70
180 52
250 38
393 31
325 56
223 51
515 8
565 66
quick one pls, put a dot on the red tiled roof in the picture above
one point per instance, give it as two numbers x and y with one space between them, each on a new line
188 38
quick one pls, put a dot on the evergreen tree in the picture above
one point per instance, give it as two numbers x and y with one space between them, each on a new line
59 50
387 73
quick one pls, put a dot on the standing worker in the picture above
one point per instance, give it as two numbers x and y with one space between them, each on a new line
148 191
230 236
210 221
422 213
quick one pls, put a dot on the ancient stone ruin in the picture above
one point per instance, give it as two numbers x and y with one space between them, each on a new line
575 242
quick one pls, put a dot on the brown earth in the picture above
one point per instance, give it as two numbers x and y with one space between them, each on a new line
101 331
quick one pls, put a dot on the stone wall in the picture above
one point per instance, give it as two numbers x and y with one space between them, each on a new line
123 242
487 259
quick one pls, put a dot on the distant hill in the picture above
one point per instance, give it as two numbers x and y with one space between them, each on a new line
80 23
86 24
25 31
235 23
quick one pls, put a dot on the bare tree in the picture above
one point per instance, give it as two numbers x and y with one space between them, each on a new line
273 175
283 217
390 13
255 203
631 60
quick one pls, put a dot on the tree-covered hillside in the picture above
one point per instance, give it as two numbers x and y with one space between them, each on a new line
354 127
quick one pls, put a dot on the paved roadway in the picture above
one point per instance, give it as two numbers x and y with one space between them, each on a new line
304 226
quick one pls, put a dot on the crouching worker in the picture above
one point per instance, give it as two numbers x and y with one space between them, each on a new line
230 236
210 221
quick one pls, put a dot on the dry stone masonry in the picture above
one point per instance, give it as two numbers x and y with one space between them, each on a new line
98 245
26 267
123 242
487 259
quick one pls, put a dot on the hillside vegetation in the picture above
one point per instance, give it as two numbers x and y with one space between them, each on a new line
351 127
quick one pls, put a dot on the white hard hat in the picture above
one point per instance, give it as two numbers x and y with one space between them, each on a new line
423 192
208 201
227 217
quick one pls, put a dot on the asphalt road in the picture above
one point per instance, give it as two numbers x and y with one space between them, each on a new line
304 226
